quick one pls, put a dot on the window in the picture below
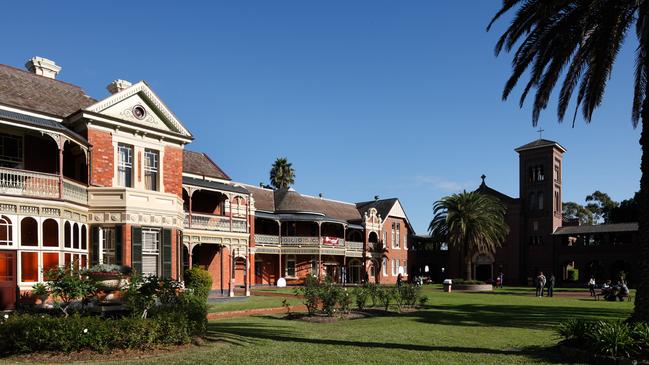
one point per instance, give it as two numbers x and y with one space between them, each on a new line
150 251
398 235
50 261
536 241
75 236
11 151
50 233
535 226
536 173
108 244
84 238
6 238
557 202
395 267
384 265
557 173
314 267
29 267
385 239
125 165
530 201
405 267
393 235
151 158
67 235
541 198
290 267
29 232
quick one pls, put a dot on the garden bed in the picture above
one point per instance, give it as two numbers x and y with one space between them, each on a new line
351 315
579 354
472 287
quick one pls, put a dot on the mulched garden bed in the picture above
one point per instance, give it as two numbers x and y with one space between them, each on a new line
323 318
582 355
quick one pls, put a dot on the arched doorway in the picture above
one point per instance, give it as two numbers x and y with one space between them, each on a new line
373 241
483 267
373 270
355 270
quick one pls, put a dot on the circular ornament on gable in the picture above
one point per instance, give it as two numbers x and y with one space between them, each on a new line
139 112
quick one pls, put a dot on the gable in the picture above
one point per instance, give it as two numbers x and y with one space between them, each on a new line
123 105
397 211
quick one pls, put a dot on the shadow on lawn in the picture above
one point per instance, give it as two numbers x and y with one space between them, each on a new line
250 334
503 315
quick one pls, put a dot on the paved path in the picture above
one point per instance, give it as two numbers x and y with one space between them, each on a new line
252 312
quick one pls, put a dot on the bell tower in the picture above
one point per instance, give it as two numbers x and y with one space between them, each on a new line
540 184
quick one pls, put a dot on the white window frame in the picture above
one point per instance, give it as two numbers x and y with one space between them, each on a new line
151 251
384 266
124 165
108 246
290 258
152 170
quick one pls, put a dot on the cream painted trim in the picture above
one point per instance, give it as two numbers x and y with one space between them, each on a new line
32 114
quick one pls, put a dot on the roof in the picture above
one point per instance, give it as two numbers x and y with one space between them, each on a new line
199 163
485 189
213 185
382 206
598 228
42 123
540 143
23 89
264 199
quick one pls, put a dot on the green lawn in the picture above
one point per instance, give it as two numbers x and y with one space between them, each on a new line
506 326
253 302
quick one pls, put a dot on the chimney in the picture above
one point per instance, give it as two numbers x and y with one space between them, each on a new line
117 86
43 67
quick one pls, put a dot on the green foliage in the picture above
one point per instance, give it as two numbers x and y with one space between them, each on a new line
386 296
199 280
572 210
408 294
282 174
110 268
472 221
40 290
362 294
328 296
69 285
573 275
141 294
606 338
345 300
373 291
310 291
423 300
27 333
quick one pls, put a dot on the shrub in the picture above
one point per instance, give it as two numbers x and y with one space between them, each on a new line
329 295
373 291
345 300
409 294
613 338
576 331
385 296
362 294
640 333
573 275
75 333
311 292
199 280
69 286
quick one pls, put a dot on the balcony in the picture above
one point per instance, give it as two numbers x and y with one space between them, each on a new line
41 185
305 241
354 246
212 222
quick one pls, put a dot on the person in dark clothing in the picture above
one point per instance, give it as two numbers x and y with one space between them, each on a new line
540 284
399 279
550 285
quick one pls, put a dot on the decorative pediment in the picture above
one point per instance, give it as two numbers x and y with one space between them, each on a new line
138 104
397 211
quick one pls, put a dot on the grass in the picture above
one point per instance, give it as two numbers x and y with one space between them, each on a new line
508 326
253 302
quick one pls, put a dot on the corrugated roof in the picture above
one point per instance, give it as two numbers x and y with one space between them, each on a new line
199 163
23 89
213 185
598 228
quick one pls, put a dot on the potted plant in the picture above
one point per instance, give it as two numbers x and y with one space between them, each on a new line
109 277
40 292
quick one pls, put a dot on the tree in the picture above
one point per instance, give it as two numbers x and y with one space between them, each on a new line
601 205
572 210
282 175
578 41
626 212
473 222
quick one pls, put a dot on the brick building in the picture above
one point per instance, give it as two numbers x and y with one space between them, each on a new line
539 238
85 181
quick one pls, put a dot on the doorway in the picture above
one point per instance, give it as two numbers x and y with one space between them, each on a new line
8 281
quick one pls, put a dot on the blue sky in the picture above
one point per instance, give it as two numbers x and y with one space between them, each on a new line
390 98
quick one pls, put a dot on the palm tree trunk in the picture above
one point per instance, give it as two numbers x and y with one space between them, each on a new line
641 311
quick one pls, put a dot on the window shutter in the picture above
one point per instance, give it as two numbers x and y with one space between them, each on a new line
94 251
166 253
119 238
136 249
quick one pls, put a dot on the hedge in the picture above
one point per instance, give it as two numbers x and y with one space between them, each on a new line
199 280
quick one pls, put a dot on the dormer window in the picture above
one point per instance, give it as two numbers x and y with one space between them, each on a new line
151 168
125 165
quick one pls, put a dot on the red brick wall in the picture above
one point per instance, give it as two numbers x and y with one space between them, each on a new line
400 253
173 167
102 157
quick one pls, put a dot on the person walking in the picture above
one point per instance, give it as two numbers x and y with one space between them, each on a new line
591 286
501 277
399 279
550 285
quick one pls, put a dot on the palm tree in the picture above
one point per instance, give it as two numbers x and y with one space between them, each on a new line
473 222
282 175
578 41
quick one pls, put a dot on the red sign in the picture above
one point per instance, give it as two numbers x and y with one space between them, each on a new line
332 241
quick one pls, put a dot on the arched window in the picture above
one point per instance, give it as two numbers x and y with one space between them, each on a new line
29 232
75 236
541 198
50 233
5 231
68 235
84 238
